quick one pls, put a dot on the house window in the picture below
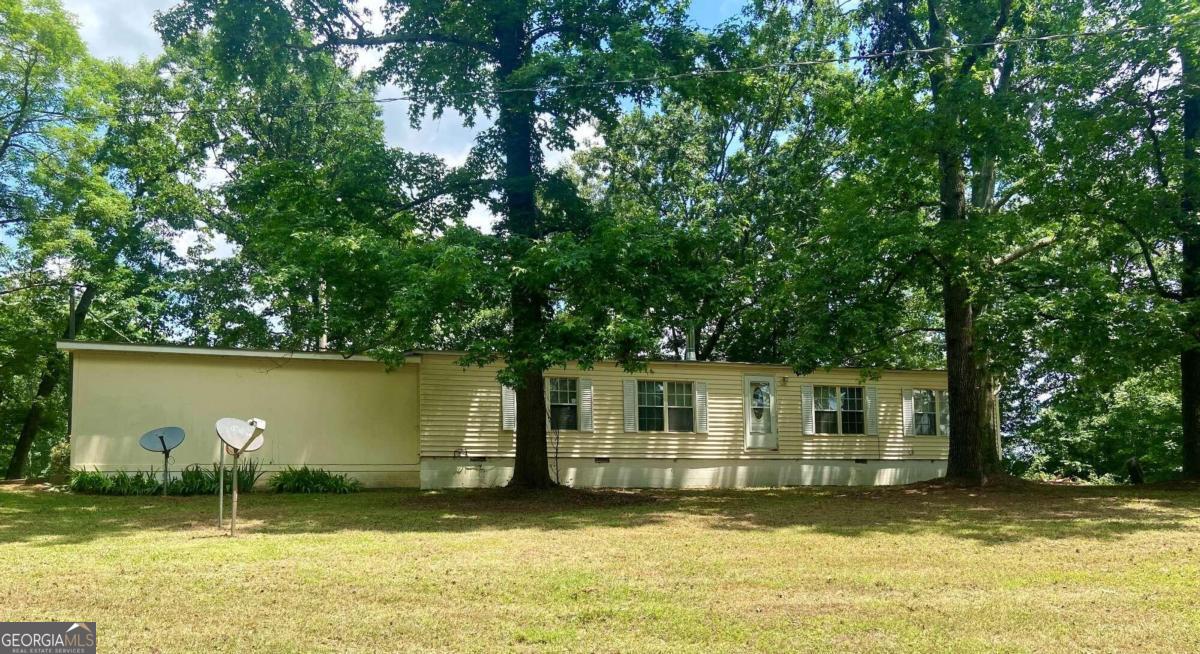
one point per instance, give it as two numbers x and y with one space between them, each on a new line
853 414
666 406
651 416
681 416
564 403
924 412
839 410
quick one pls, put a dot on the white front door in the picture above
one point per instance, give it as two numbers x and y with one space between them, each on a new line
761 430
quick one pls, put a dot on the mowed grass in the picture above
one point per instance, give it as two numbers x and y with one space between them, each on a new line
925 569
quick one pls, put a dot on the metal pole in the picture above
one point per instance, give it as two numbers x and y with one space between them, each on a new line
233 514
166 456
221 489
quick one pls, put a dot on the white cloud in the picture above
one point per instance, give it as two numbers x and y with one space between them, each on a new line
213 246
121 29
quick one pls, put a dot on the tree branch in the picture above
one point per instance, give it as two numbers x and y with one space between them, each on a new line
972 57
402 38
1024 251
1148 258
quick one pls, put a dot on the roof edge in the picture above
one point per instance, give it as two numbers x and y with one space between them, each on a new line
67 345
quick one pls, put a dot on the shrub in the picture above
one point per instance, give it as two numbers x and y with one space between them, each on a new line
59 469
312 480
247 472
194 480
92 482
119 483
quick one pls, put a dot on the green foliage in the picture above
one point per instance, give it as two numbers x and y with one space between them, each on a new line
60 460
248 474
94 482
1092 433
312 480
194 480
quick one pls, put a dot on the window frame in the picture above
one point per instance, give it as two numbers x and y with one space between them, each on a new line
837 394
550 405
666 405
934 394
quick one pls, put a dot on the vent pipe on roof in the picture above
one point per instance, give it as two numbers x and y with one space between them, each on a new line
689 353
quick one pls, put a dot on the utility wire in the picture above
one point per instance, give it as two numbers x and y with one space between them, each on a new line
694 73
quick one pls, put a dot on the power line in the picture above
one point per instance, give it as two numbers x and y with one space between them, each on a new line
694 73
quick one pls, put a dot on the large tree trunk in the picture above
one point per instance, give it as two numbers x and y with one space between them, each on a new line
972 449
529 304
1189 359
972 453
55 368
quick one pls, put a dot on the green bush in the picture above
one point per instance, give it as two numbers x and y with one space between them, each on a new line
248 475
94 482
312 480
192 480
60 461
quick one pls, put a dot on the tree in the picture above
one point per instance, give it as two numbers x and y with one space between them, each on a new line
965 103
110 200
541 68
1110 307
719 188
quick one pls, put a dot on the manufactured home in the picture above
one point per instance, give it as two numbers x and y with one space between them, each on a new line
434 423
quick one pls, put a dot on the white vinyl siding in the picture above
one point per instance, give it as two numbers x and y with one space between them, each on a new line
460 408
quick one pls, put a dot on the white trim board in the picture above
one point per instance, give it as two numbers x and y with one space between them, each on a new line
87 346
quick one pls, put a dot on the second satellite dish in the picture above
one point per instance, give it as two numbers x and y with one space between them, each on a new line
241 436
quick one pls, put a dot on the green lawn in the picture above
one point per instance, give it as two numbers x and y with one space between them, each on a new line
1023 568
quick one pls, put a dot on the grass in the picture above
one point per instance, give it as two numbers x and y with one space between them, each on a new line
1012 569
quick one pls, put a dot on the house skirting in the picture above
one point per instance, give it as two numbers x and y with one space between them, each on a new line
450 472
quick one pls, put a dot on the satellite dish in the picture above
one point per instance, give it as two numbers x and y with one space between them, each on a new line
237 438
163 439
241 436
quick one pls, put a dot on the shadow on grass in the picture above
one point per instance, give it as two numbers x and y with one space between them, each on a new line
1013 513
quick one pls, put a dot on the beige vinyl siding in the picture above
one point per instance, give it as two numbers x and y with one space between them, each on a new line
345 416
460 414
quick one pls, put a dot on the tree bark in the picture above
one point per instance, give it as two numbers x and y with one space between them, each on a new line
51 376
972 449
528 303
1189 359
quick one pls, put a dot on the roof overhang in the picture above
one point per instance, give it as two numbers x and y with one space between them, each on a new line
188 350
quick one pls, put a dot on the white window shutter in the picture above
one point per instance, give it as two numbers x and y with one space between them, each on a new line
872 398
630 388
908 412
701 390
508 408
585 405
806 408
943 413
